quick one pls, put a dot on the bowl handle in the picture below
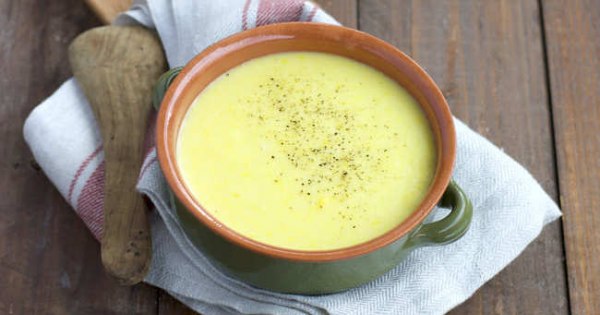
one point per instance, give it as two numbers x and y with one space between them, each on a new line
450 228
162 85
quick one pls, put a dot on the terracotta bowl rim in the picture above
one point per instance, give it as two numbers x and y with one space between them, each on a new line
167 161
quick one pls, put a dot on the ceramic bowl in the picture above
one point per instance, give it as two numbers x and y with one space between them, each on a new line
295 271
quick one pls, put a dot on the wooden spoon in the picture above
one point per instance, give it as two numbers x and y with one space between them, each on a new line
117 68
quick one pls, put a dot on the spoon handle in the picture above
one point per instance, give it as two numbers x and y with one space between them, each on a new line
117 68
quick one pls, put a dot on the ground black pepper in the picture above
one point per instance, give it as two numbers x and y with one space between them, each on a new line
317 134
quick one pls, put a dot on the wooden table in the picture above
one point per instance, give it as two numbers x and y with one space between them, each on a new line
525 74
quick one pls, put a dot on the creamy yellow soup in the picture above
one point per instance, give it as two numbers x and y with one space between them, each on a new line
306 151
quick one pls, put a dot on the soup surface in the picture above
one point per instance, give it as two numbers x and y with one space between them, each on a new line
306 151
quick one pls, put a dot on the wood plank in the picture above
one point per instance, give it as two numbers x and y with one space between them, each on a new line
107 10
169 305
344 11
487 58
49 262
572 31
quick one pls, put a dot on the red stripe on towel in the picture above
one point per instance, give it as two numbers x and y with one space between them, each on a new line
245 15
90 204
275 11
80 170
312 13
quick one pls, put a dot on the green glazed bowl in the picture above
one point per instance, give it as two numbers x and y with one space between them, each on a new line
309 272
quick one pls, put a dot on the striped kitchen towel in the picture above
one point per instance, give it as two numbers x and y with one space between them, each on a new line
510 207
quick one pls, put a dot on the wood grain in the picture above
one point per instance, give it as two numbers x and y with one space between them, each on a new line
573 49
49 261
169 305
487 58
107 10
117 68
344 11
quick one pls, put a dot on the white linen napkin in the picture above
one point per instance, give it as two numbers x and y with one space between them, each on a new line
510 207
